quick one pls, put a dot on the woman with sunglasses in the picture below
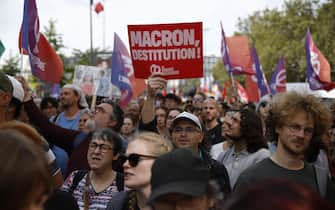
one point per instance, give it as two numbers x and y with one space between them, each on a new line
140 156
93 189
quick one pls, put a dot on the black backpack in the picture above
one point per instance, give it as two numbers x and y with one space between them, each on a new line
79 175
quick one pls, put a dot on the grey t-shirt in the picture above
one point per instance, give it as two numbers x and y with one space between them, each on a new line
267 169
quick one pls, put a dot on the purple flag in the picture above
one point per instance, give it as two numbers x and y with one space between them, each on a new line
263 87
224 51
44 62
30 27
121 68
278 79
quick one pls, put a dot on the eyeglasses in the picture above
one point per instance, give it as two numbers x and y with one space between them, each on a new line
134 159
102 147
188 130
295 128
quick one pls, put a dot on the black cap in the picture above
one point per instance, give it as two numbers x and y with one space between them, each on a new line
179 171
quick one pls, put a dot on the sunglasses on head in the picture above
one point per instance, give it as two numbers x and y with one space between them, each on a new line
134 159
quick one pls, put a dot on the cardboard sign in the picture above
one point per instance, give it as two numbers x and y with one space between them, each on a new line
175 50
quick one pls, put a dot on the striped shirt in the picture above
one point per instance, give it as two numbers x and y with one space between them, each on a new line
97 200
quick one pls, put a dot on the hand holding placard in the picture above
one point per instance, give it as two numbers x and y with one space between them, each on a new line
156 83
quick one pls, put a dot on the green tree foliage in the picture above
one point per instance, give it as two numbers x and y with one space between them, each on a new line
53 37
275 32
11 65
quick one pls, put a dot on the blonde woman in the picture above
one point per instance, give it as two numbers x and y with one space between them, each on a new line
137 162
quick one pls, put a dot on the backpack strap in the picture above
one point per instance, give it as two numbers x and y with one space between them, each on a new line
119 181
78 176
321 180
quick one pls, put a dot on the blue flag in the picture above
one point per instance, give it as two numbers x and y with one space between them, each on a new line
278 79
121 68
263 87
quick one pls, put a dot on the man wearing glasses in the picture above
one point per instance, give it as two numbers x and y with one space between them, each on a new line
187 132
294 121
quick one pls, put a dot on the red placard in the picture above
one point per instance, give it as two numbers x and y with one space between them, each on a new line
175 50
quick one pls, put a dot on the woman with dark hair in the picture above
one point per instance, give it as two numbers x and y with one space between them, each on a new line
276 194
94 188
25 181
248 146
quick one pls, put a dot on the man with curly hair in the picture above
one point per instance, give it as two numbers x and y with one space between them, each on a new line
295 120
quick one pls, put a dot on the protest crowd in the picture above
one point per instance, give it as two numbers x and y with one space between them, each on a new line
149 148
164 152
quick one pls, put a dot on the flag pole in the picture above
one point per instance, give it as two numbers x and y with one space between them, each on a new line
104 27
91 34
22 71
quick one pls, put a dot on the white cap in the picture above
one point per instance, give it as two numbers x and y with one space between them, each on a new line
82 100
18 91
186 116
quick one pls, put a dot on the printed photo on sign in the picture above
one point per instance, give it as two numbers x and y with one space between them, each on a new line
92 80
175 50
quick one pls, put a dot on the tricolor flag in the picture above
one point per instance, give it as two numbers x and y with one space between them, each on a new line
44 62
263 87
317 66
122 70
278 79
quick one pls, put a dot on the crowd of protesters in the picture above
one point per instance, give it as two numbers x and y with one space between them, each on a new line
164 152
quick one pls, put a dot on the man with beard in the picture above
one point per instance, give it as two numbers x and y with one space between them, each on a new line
294 121
244 129
210 116
72 101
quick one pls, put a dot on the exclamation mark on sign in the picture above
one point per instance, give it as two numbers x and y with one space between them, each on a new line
199 52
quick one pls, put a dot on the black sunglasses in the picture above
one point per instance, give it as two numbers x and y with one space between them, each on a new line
134 159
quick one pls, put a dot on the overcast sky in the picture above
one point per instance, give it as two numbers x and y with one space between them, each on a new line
72 18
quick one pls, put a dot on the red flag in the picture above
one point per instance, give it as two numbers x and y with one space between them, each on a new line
98 7
138 87
251 88
239 55
317 68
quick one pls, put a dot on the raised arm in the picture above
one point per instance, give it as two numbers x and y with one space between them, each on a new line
155 83
55 134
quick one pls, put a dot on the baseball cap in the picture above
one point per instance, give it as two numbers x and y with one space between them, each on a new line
179 171
5 83
82 100
186 116
18 91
